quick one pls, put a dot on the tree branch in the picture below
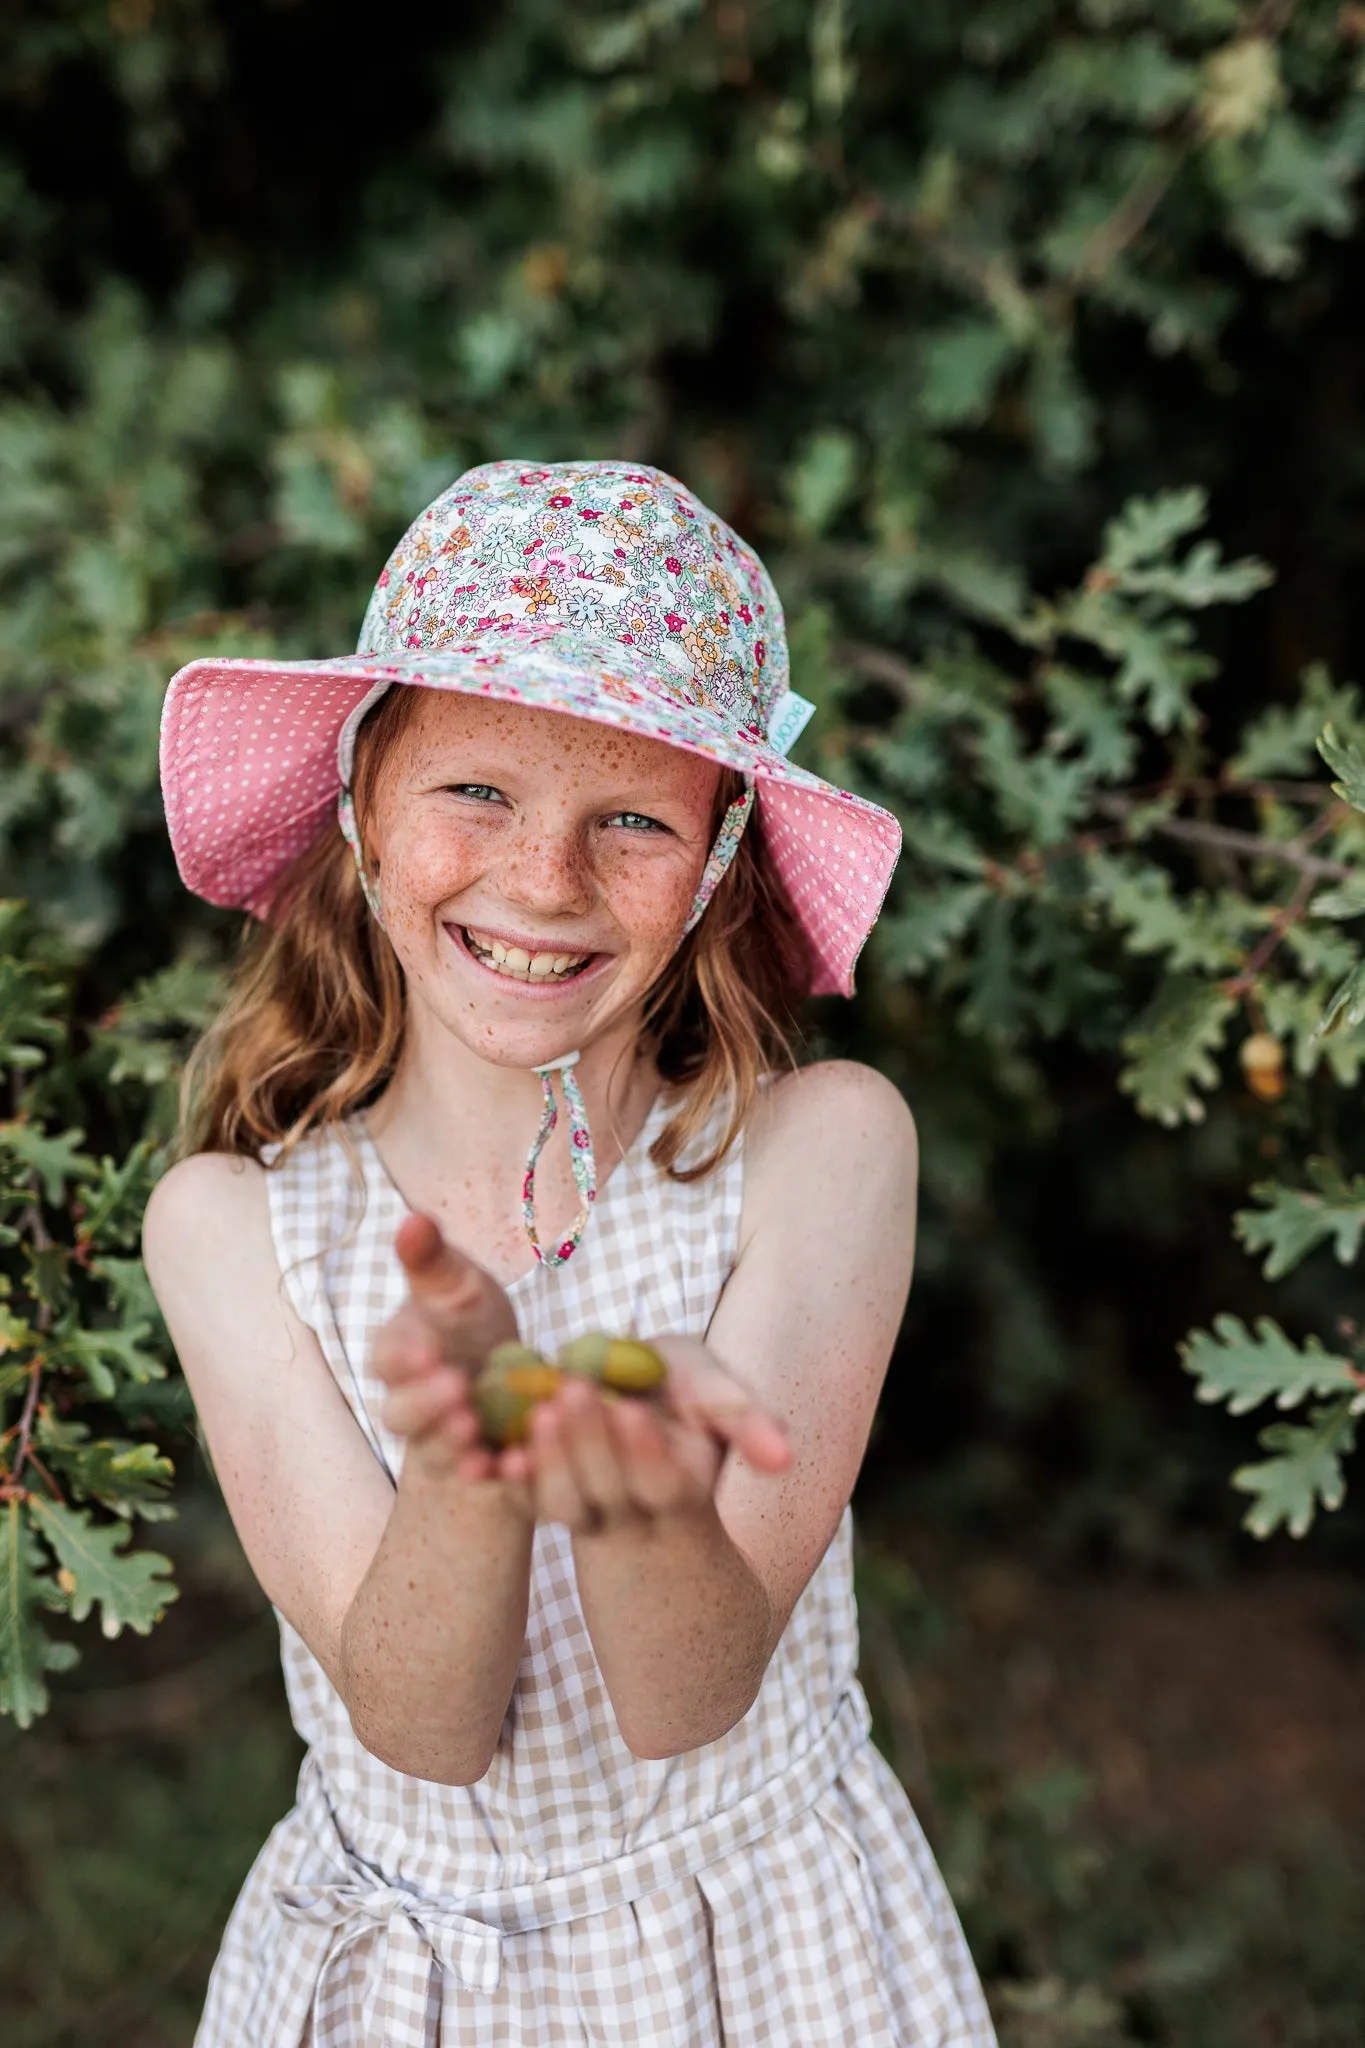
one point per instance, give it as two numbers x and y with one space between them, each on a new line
1289 853
1289 914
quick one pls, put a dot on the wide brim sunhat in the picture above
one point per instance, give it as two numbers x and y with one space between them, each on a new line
602 590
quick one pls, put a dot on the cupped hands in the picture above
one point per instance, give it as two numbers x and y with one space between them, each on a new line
589 1463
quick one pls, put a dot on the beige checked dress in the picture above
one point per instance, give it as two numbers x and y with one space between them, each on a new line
771 1888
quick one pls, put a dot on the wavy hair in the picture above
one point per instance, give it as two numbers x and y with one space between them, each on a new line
313 1024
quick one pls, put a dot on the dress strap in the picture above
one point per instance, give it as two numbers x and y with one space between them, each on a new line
321 1201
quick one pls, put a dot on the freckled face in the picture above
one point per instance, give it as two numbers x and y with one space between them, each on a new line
536 870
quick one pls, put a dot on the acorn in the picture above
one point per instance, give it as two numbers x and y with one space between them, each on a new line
1262 1058
513 1379
622 1364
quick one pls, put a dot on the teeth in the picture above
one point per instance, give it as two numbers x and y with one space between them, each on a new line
520 965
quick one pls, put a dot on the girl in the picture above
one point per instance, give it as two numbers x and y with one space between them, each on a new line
588 1761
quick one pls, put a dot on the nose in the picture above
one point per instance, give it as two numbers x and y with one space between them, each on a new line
545 869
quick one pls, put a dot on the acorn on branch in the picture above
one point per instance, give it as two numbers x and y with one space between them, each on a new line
515 1378
1262 1059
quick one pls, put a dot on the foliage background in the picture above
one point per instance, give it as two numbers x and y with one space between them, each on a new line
920 299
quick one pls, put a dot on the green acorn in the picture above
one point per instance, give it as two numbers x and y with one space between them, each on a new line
621 1363
513 1379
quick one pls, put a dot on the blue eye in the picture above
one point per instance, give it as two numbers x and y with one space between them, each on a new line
636 821
477 792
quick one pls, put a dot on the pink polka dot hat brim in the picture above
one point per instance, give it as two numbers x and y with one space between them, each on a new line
249 775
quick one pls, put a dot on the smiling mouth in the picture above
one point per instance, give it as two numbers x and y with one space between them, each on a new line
519 965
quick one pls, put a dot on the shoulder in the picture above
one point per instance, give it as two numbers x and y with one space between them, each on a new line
207 1229
831 1145
835 1111
200 1196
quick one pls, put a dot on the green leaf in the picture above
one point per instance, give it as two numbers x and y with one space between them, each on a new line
1158 666
1347 1007
1299 177
1170 1051
105 1355
26 1652
113 1200
130 1588
27 1027
1085 716
822 478
1038 795
1346 900
54 1161
1147 528
924 931
1293 1221
1347 760
15 1333
1303 1471
1243 1368
1194 932
130 1290
961 369
126 1478
1282 739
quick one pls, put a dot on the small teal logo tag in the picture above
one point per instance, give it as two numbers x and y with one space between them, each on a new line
790 717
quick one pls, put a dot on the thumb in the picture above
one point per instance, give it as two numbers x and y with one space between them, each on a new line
443 1282
454 1294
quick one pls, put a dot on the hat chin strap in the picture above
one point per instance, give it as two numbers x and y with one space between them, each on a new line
581 1157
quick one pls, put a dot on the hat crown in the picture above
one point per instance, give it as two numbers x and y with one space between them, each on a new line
597 551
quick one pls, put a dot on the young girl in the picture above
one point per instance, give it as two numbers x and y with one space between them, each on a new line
588 1761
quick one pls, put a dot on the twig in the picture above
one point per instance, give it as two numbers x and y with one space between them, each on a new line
1290 853
10 1485
881 665
1128 219
1244 980
25 1430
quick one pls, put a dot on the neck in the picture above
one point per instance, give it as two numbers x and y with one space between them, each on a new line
476 1118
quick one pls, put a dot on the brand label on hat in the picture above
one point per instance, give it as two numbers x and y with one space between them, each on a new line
790 717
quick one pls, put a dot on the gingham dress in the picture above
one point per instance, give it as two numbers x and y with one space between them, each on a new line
771 1888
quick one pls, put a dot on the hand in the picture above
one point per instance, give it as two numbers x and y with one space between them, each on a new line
429 1352
596 1465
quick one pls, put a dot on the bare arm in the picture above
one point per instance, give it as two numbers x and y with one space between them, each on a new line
688 1568
414 1603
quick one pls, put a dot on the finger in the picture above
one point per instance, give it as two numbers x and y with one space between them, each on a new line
759 1438
709 1396
592 1451
731 1416
441 1280
475 1463
702 1390
557 1496
516 1465
418 1404
456 1296
658 1482
404 1348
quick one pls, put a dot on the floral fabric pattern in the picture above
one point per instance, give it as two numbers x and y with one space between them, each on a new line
627 554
